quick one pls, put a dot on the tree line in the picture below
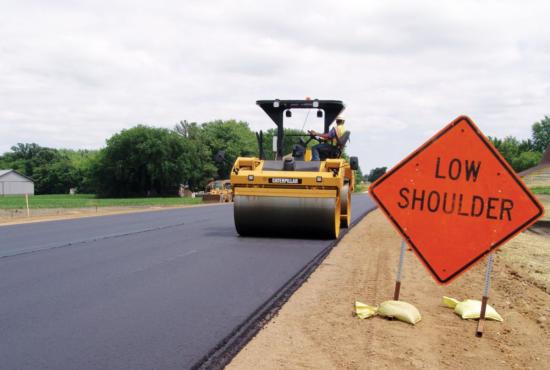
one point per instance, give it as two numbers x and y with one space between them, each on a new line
520 154
140 161
54 171
145 160
524 154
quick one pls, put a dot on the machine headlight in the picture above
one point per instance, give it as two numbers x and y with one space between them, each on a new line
250 177
319 179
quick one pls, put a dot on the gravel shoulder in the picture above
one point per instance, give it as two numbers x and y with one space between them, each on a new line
316 329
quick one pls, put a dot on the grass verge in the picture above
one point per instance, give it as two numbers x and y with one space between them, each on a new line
88 200
362 187
541 189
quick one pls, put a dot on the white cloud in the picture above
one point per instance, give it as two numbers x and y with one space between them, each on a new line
74 73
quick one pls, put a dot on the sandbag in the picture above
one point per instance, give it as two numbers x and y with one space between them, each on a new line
364 310
471 309
399 310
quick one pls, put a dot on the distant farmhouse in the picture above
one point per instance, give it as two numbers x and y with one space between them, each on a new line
14 183
540 174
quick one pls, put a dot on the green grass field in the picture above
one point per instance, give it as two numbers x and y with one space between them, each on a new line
541 190
88 200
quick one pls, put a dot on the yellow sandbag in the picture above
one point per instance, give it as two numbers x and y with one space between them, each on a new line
471 308
450 302
364 310
399 310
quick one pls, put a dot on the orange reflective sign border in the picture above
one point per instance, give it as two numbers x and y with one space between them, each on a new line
455 199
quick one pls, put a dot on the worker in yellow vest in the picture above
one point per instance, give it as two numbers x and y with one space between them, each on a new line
330 139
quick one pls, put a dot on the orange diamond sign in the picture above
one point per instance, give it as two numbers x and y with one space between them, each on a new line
455 199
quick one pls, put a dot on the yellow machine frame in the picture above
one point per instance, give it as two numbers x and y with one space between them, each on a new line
314 201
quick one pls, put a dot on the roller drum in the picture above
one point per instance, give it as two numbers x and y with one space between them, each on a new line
287 216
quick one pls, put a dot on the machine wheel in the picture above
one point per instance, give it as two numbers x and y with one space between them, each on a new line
345 208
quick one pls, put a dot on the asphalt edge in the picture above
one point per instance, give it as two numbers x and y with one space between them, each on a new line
232 344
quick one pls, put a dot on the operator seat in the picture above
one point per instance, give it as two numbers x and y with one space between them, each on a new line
336 151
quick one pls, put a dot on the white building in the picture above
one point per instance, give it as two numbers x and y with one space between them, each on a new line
14 183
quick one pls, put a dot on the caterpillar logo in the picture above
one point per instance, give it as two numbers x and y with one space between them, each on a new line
284 180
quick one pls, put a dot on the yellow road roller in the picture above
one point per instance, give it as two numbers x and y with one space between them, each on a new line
218 191
293 195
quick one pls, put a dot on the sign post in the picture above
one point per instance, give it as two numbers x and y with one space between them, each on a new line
485 298
455 199
399 271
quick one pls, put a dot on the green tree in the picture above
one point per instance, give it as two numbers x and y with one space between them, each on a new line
87 183
541 134
25 158
50 169
358 176
526 160
188 130
83 162
141 161
199 166
508 147
56 177
526 146
375 173
233 137
525 154
519 154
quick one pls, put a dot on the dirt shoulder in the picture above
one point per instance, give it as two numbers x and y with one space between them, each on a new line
316 329
18 216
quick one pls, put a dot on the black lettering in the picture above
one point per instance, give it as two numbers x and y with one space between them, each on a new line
476 199
433 195
491 207
445 208
460 212
506 206
404 193
458 169
437 175
472 169
418 199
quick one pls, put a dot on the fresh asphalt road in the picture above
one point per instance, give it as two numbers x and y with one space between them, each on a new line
149 290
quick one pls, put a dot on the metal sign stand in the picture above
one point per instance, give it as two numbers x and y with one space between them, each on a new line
399 271
479 331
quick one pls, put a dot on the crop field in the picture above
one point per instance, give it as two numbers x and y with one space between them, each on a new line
88 200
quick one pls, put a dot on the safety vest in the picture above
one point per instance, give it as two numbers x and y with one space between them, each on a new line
340 130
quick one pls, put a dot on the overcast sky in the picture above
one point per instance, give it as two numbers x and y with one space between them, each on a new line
72 73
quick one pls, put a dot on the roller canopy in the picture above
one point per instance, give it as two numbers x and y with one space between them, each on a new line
275 108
